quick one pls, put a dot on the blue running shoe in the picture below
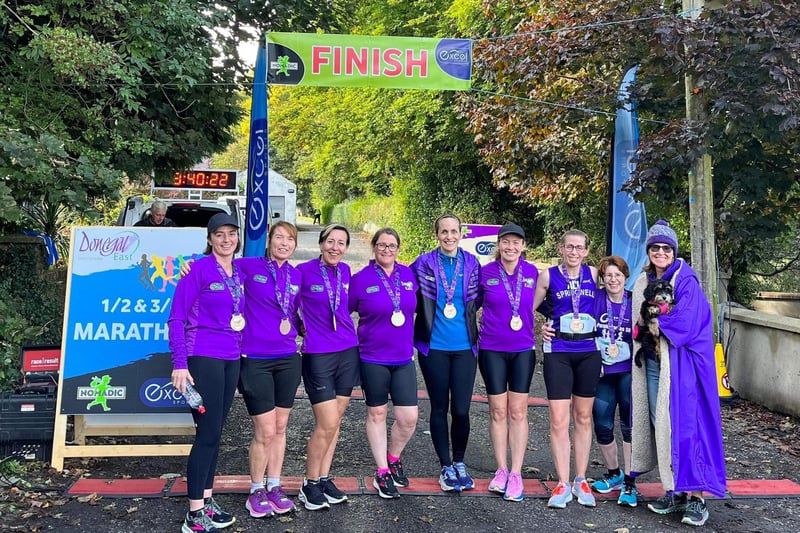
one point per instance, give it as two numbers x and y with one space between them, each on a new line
609 483
448 480
629 497
464 478
582 491
561 496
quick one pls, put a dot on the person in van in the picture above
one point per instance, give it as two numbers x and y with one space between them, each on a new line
157 217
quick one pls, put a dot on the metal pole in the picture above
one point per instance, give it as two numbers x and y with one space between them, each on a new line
701 189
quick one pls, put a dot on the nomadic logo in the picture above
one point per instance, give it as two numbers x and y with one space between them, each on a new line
485 247
99 392
159 392
285 65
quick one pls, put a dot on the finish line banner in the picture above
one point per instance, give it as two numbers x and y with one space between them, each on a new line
329 60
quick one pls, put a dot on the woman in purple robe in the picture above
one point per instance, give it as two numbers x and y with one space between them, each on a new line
676 413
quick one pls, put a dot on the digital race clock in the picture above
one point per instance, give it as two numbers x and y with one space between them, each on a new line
208 179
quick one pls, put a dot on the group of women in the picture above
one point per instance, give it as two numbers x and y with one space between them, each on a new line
252 310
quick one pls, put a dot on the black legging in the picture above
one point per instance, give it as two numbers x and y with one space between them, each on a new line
215 380
449 377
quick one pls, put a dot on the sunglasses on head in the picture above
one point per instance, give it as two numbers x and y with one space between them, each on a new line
660 248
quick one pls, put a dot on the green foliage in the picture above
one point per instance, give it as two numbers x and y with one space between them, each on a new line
31 307
544 135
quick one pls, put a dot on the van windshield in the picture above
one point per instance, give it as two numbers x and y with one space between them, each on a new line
192 215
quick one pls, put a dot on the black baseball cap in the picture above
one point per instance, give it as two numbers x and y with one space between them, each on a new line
511 229
219 220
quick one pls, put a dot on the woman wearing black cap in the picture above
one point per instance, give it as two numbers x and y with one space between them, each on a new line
506 354
205 336
678 393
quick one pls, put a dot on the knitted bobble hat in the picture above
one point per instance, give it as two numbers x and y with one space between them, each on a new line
661 233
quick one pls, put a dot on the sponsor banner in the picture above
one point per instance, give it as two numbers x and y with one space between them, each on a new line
481 240
257 223
628 220
330 60
116 338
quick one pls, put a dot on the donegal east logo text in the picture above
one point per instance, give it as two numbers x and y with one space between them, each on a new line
120 246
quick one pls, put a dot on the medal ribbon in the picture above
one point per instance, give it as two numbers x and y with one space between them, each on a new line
449 289
333 300
282 299
394 295
574 293
234 285
611 325
513 298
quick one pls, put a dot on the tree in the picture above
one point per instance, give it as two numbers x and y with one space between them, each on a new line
94 91
548 138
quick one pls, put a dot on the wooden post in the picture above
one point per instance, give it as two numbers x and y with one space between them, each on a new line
701 190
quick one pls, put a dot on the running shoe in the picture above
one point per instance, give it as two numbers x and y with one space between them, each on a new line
561 496
669 503
499 481
218 517
312 496
448 479
258 504
198 521
514 489
385 485
464 478
279 501
331 491
696 512
629 496
398 474
609 483
582 491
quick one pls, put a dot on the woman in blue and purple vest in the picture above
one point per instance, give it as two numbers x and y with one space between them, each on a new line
615 342
571 363
384 295
271 365
205 334
330 359
506 356
446 336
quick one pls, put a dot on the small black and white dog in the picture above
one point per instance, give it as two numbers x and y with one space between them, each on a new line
658 300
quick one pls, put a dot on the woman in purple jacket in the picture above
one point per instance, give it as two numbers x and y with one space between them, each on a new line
330 360
384 295
506 357
446 336
271 365
205 334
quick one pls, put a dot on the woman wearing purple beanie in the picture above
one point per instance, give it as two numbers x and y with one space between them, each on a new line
676 421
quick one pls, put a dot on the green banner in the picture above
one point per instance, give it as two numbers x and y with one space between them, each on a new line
329 60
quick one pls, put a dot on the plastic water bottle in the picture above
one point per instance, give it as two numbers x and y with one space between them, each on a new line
193 398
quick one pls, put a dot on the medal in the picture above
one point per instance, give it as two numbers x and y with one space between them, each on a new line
234 285
237 322
613 350
334 295
513 296
450 310
576 325
282 298
615 324
398 319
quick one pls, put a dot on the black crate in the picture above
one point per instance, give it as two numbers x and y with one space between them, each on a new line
29 450
27 417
